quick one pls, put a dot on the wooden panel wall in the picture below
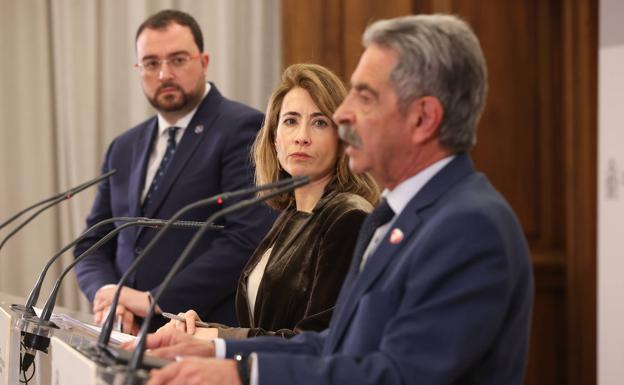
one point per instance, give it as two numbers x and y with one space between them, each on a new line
537 142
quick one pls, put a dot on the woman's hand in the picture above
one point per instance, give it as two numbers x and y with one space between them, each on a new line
187 326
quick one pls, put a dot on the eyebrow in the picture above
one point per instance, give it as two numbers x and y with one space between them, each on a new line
294 113
169 55
362 87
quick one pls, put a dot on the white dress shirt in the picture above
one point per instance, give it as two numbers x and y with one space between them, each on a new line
399 198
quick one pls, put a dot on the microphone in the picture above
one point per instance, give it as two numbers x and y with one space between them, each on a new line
137 355
28 310
38 339
107 326
49 202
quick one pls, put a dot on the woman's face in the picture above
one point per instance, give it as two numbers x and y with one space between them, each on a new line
306 140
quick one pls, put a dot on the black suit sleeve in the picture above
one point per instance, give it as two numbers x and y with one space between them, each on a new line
98 269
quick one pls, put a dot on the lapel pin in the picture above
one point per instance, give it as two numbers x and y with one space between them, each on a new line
199 129
396 236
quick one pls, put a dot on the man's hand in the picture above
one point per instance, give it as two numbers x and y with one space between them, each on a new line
133 300
127 319
132 304
194 370
172 344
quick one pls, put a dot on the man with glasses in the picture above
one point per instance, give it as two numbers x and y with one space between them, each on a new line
196 147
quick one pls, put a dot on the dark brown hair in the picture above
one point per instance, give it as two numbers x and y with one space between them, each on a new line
163 19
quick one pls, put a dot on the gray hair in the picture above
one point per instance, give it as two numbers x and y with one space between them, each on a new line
440 56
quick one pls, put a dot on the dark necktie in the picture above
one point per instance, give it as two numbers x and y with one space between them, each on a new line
164 164
379 217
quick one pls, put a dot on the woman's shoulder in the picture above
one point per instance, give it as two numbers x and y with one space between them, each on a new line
350 201
344 204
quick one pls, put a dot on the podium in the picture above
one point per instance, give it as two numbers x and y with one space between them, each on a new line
70 359
10 338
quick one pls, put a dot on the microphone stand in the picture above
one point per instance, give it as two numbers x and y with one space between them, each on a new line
36 331
27 308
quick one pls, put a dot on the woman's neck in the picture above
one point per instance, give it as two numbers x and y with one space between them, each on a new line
306 197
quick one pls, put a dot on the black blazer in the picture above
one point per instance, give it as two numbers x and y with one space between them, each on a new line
302 278
212 157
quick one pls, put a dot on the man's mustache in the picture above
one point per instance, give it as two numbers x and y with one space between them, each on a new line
168 85
347 133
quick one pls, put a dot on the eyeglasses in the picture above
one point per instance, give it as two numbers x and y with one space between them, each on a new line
175 62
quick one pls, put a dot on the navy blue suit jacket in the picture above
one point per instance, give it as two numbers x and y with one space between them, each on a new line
449 304
212 157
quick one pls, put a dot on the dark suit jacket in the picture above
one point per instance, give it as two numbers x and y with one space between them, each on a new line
449 304
305 271
211 157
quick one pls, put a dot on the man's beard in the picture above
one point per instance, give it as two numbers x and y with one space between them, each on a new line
174 102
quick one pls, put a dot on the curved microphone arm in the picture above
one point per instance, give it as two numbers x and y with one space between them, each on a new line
30 218
46 313
52 201
34 293
27 209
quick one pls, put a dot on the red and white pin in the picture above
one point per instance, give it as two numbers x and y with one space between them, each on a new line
396 236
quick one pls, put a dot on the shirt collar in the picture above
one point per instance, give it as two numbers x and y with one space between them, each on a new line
183 122
404 192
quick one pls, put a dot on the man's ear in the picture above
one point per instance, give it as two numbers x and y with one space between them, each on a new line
205 60
424 117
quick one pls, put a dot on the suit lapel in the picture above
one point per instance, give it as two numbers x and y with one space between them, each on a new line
140 154
376 264
407 222
196 131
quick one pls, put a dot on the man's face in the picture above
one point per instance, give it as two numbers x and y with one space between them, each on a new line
372 111
172 88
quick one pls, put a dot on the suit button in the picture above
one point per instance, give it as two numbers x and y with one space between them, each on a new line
138 250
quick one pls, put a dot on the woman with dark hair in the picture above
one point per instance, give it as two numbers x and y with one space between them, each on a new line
292 280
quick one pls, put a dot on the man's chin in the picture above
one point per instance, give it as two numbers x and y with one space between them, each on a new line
170 105
169 108
356 167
